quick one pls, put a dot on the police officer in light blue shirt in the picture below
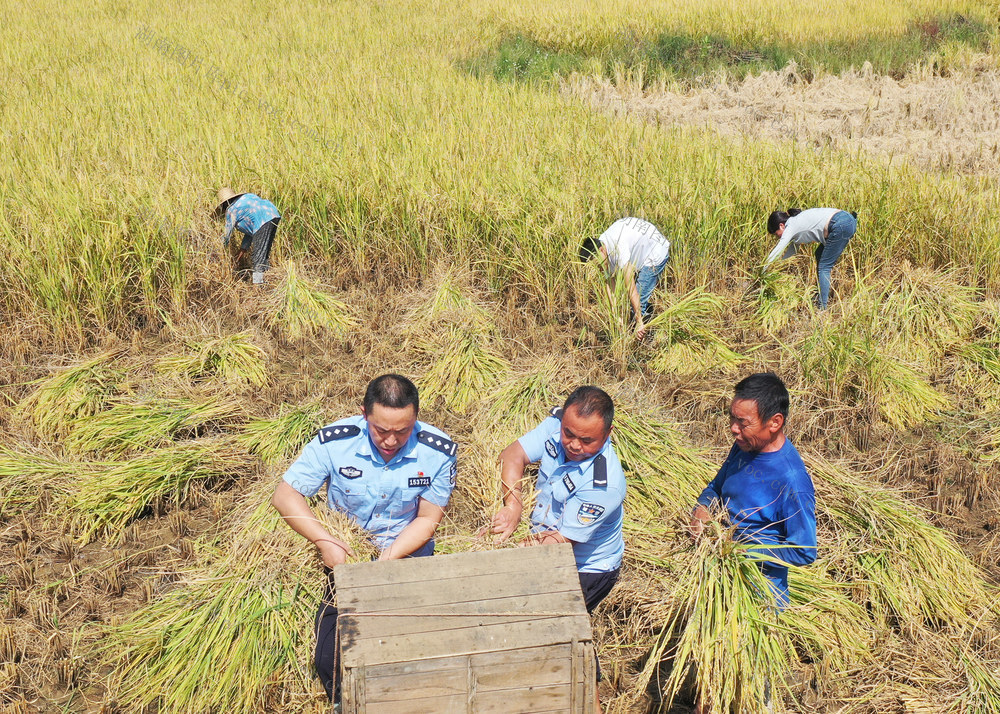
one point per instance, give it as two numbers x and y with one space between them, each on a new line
392 474
580 489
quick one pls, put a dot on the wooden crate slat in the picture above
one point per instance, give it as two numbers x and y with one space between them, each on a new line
473 588
491 672
551 698
466 640
482 661
412 570
453 704
407 622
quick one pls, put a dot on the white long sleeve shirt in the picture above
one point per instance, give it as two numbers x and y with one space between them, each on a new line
807 227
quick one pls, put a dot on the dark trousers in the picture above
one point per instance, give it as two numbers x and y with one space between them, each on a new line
595 587
326 663
259 245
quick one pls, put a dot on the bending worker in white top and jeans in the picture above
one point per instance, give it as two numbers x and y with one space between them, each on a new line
830 227
636 249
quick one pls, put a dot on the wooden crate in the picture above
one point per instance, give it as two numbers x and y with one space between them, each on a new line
494 631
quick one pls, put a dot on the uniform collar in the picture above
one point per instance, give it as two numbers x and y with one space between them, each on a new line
367 449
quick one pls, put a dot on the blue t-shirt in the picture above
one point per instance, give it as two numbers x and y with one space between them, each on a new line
381 497
247 214
582 500
771 501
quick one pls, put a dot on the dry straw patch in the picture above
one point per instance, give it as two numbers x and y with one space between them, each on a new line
940 123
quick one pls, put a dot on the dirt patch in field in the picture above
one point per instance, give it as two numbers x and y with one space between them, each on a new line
937 123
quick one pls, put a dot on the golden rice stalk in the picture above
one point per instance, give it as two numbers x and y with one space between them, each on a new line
664 470
134 425
613 315
904 397
725 630
523 400
26 478
235 359
73 393
982 680
935 308
238 635
277 438
299 308
904 569
110 494
450 303
687 335
778 296
466 370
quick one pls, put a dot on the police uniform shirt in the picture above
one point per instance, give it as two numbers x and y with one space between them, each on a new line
582 500
381 498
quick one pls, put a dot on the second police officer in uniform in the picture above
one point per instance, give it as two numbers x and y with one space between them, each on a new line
392 474
579 492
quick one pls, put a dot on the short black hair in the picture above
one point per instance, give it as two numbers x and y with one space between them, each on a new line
767 391
392 390
592 400
588 249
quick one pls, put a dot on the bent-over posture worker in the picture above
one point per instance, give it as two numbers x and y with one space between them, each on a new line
257 219
579 492
392 474
830 227
636 250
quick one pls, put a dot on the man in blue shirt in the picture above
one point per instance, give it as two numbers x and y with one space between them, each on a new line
257 220
579 492
763 484
392 474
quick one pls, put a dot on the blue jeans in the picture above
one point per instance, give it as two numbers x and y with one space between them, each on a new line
645 281
839 233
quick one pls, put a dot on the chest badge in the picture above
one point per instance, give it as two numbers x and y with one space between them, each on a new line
550 449
349 472
568 483
589 512
419 481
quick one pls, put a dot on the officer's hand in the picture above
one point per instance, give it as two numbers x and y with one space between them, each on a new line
641 331
333 551
505 522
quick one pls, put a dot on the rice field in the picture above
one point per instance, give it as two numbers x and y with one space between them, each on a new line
436 166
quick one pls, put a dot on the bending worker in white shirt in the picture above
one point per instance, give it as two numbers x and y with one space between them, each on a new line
635 249
830 227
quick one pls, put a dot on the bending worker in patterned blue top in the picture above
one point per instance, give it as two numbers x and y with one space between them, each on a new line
257 219
763 484
579 492
392 474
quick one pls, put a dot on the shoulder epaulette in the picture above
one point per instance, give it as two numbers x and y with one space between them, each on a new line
556 412
341 431
437 442
600 471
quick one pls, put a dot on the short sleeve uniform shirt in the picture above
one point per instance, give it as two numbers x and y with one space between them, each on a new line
380 497
582 500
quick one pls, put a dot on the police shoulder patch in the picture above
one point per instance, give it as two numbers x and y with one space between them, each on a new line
600 471
438 443
556 412
589 512
336 432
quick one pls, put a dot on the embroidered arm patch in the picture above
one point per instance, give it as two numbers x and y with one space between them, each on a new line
589 512
333 433
438 443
